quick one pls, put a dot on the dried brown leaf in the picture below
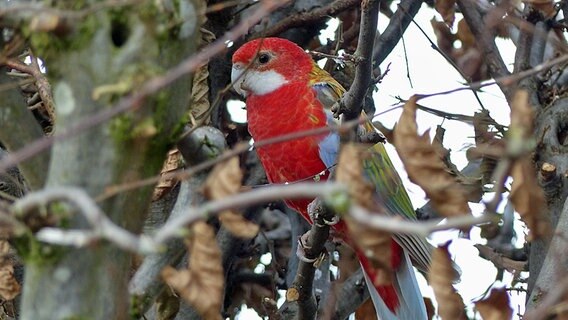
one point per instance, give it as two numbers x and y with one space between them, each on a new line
440 276
374 244
172 163
225 180
202 284
446 8
424 166
200 104
528 198
496 306
9 287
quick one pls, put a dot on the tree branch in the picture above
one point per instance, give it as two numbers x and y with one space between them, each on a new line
351 103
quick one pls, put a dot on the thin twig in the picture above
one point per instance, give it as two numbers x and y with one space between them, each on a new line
398 225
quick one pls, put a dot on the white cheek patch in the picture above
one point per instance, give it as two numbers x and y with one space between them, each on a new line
263 82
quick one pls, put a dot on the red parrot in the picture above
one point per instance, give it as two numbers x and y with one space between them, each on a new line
287 92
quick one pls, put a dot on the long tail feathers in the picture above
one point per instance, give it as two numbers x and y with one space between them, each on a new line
407 294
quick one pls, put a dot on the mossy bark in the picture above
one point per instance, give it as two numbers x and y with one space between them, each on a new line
123 49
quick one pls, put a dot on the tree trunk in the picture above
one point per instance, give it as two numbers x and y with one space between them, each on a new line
115 51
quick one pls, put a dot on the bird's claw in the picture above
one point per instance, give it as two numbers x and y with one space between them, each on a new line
332 222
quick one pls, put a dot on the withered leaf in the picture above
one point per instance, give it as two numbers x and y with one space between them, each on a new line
202 284
225 180
446 8
374 244
440 277
9 287
496 306
172 163
200 104
424 166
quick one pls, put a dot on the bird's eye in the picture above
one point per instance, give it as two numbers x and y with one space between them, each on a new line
263 58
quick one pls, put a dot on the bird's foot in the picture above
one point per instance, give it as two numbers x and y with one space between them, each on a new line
334 220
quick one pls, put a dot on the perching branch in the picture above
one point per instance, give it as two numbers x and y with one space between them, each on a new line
313 242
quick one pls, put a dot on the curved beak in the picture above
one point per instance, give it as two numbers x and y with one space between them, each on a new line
238 78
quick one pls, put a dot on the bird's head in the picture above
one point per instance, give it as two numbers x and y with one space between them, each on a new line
264 65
